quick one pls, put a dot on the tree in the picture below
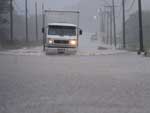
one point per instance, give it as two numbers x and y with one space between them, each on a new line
132 30
4 9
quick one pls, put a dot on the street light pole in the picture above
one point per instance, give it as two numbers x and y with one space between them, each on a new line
96 21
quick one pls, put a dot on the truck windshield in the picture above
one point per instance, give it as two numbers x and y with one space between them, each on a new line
62 30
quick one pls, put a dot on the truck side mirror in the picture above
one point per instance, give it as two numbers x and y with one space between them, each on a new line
80 32
43 30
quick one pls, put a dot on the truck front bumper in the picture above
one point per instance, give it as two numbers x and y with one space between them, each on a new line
60 48
54 50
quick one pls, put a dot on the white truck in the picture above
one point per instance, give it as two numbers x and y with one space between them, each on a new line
61 31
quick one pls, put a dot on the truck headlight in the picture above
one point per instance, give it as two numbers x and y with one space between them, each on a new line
73 42
50 41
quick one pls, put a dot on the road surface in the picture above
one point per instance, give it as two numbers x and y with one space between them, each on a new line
99 83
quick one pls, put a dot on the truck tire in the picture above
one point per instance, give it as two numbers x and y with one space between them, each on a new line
145 53
139 52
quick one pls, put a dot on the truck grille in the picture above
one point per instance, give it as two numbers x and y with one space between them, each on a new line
61 41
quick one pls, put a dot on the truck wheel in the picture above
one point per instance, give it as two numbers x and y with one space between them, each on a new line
139 52
145 53
74 53
46 52
43 48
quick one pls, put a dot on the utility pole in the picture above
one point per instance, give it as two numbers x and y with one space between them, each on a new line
123 20
36 21
140 28
26 16
107 40
11 21
104 20
99 22
102 25
111 23
106 24
114 22
43 28
111 28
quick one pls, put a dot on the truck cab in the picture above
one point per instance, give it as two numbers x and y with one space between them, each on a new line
62 38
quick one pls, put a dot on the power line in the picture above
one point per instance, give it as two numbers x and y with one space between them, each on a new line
131 6
106 2
18 8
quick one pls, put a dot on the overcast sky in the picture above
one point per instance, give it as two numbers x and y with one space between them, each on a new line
49 4
85 7
59 4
